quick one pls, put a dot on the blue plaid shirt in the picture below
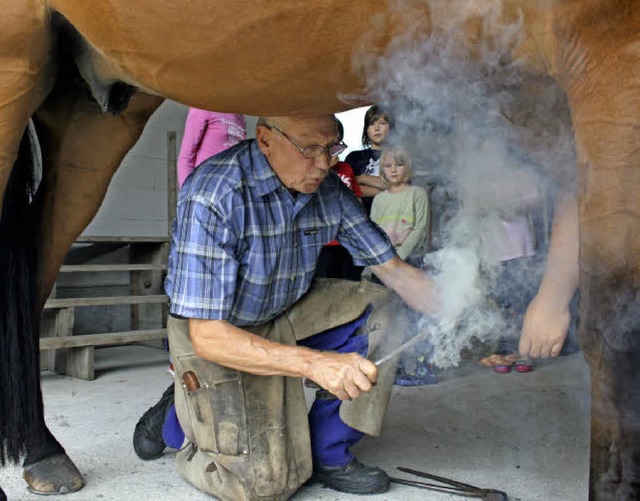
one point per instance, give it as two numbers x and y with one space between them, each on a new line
244 249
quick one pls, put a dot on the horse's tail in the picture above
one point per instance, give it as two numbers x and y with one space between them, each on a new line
21 409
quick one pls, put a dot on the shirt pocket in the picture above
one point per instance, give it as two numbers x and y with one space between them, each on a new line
311 240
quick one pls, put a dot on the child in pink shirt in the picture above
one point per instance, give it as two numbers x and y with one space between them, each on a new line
207 133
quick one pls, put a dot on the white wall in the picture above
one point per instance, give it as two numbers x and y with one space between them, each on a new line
352 121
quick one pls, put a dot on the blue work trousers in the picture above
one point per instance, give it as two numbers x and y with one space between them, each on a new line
331 438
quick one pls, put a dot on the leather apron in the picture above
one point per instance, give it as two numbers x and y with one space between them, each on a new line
247 435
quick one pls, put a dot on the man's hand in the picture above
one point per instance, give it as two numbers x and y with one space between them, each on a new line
345 375
544 328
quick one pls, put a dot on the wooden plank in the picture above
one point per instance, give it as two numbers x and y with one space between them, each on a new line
121 239
49 325
172 182
47 329
84 253
172 198
56 323
80 363
65 320
104 301
106 339
147 283
90 268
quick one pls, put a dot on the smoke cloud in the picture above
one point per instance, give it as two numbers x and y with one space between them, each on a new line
491 143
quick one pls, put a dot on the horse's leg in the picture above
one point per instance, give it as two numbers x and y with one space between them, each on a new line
26 73
607 125
81 148
82 152
26 76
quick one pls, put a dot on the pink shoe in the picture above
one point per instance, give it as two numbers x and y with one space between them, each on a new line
502 369
524 365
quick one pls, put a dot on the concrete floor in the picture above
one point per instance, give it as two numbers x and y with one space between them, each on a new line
526 434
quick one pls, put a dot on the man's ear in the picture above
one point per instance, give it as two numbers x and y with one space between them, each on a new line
264 137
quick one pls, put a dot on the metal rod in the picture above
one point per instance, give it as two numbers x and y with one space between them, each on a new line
430 476
454 485
433 487
402 347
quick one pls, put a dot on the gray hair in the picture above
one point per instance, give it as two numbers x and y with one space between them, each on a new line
270 121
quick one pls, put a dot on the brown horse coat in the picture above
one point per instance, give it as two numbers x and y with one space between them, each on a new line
288 57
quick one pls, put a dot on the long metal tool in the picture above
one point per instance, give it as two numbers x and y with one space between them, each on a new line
451 486
408 344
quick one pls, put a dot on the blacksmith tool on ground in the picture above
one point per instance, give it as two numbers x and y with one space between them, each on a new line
449 486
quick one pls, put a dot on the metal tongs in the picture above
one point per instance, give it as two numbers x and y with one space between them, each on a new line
449 486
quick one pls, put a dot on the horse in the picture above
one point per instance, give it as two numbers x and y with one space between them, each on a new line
88 79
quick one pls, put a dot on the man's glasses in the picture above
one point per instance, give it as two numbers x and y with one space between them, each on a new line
315 150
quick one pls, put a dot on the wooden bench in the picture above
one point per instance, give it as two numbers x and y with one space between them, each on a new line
65 353
78 355
73 355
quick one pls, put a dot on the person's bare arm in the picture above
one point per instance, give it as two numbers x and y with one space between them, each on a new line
547 319
370 191
413 285
377 182
346 375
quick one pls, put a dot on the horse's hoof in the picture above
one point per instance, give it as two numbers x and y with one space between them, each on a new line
53 475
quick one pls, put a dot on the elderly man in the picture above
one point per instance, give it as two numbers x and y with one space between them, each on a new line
247 323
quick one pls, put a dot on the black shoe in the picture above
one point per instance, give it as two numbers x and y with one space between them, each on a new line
147 437
354 478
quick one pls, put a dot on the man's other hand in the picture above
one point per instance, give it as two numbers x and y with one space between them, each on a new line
345 375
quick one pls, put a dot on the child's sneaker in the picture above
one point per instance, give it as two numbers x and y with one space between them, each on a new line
523 365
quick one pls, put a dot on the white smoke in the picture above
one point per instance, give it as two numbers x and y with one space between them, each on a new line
459 109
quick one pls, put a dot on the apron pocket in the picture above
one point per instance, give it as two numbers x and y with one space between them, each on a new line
217 409
201 418
229 416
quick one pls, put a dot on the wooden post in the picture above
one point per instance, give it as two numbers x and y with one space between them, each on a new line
172 182
172 187
56 322
149 282
152 282
80 363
